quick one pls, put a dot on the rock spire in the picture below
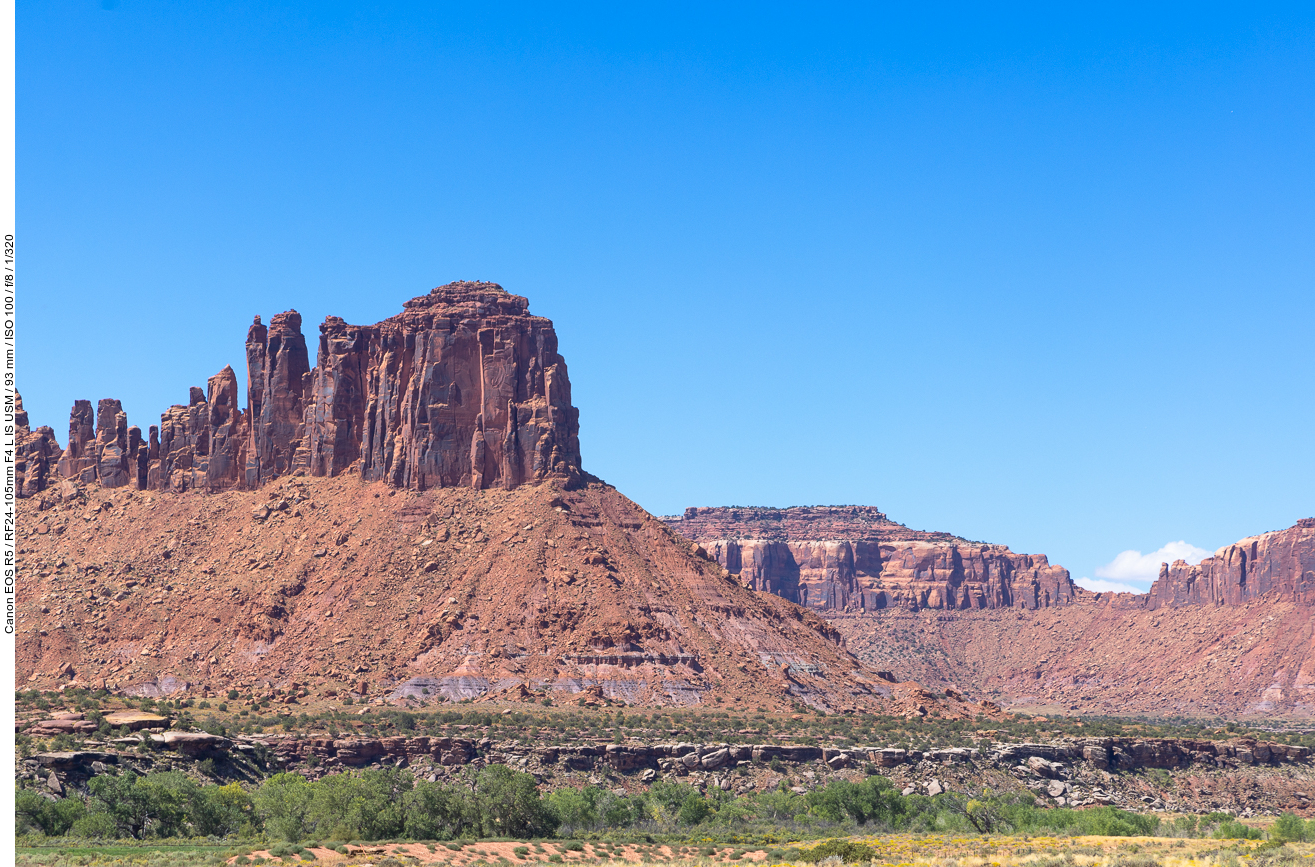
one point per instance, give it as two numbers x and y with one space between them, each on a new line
463 388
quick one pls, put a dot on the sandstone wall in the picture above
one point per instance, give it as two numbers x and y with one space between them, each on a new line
463 388
1280 563
853 558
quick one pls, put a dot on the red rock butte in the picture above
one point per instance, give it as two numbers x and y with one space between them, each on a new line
464 388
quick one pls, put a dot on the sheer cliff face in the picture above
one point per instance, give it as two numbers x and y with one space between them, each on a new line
463 388
851 558
1280 564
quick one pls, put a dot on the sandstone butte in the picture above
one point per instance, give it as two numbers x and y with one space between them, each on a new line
1232 635
464 388
407 519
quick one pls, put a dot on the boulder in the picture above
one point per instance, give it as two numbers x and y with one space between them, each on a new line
135 720
196 744
715 759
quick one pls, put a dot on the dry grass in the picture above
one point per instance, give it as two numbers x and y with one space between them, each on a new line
893 850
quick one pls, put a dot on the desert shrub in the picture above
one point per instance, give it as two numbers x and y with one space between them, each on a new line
95 826
1235 830
845 850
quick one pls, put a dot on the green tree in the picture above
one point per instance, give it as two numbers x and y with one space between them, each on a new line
366 805
574 809
509 804
151 806
873 800
436 811
221 811
52 818
1288 828
281 803
1234 830
694 809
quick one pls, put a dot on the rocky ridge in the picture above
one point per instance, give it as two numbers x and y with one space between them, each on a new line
463 388
1246 776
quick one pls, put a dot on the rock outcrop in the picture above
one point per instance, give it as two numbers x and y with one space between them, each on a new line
854 558
78 461
1244 776
464 388
37 453
1279 564
277 373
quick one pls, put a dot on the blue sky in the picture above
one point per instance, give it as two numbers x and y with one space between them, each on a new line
1036 276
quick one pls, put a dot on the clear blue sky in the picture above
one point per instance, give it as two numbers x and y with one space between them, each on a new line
1044 277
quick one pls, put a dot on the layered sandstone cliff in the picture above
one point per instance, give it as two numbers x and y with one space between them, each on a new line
1280 565
854 558
464 388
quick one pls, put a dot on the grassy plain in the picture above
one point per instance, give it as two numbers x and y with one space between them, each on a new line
884 850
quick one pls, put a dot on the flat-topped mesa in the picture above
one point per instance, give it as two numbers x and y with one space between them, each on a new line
464 387
854 558
799 524
1278 564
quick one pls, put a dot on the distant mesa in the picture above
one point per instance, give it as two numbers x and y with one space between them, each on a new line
854 558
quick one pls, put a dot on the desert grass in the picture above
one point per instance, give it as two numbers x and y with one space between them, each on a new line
887 850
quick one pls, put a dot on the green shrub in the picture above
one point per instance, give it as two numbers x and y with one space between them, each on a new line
1289 828
52 818
1234 830
95 826
846 850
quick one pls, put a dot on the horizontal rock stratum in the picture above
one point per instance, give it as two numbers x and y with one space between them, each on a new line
854 558
464 388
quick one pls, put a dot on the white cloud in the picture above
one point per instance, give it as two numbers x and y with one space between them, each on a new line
1096 585
1136 566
